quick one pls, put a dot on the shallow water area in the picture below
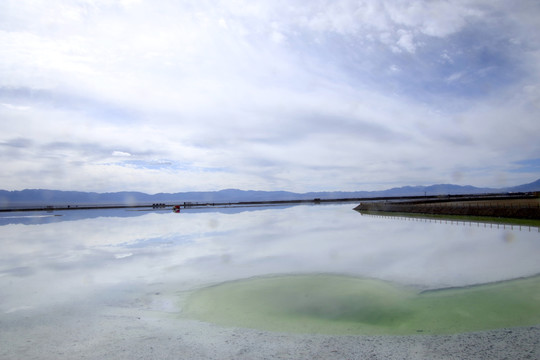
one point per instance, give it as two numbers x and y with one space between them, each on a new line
337 304
128 274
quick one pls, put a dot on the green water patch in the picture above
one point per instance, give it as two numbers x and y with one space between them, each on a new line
335 304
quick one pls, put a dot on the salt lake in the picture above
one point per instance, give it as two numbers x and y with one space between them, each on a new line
106 263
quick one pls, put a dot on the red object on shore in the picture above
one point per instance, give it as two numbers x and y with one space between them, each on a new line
176 208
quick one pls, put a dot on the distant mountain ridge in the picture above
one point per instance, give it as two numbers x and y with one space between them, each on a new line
57 197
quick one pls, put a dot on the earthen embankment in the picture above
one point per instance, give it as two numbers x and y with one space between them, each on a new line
522 207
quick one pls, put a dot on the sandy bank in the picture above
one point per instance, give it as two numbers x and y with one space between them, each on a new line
136 333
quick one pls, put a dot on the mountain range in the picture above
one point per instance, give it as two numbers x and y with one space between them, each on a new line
56 197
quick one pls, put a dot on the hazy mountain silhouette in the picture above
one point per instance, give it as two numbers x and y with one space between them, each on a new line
56 197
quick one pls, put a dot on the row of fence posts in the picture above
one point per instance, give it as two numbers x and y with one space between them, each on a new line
483 205
457 222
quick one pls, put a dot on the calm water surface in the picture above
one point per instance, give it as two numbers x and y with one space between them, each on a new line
60 257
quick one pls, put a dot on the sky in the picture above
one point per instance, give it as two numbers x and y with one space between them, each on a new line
297 95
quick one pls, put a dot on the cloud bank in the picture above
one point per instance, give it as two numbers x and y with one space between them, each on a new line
167 96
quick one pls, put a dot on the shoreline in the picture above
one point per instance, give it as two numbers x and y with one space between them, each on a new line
148 334
148 323
371 202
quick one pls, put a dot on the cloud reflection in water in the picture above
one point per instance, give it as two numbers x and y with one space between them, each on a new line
55 262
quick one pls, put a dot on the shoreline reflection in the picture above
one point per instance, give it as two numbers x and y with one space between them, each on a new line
507 224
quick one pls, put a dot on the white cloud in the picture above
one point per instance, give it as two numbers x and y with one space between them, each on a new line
433 18
16 107
120 153
263 94
406 41
455 76
278 37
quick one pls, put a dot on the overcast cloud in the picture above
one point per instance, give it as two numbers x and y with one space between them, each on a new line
180 95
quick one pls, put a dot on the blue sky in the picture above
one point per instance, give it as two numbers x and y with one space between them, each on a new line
167 96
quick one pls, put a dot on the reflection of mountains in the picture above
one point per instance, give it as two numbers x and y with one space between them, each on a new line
455 221
48 217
